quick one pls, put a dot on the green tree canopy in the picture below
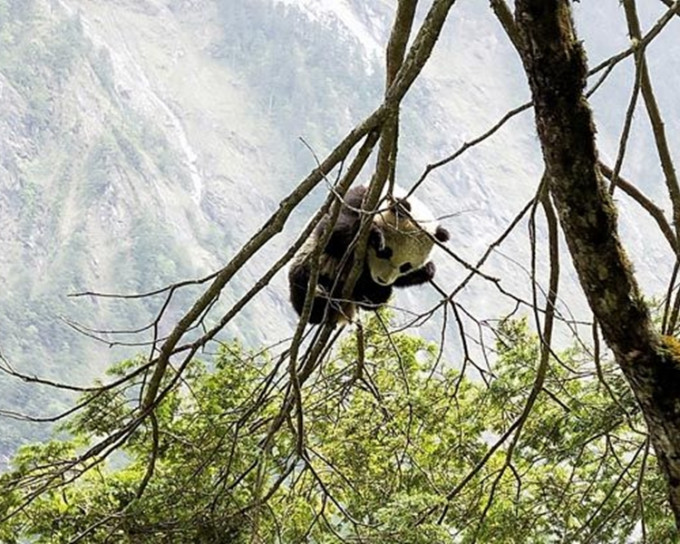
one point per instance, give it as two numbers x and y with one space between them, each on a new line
396 447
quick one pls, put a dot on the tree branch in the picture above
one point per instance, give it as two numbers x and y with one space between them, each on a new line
555 64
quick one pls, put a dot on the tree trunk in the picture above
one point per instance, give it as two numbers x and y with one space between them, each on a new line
556 68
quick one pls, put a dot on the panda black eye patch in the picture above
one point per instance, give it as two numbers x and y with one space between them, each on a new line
385 253
405 267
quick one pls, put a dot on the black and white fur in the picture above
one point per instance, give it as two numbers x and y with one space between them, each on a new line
400 241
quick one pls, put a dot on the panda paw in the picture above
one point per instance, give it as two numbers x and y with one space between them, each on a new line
417 277
428 270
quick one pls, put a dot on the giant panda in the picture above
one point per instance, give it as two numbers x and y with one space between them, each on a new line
399 244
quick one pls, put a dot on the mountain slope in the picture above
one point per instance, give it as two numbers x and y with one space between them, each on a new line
145 141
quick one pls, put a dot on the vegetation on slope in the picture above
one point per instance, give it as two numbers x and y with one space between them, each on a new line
397 447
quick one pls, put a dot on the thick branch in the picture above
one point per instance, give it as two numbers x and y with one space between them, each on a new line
556 68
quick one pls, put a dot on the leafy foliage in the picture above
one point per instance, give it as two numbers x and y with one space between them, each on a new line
396 447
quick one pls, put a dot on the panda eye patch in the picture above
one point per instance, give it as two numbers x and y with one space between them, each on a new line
405 267
385 253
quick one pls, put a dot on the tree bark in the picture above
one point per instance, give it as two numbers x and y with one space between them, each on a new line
556 68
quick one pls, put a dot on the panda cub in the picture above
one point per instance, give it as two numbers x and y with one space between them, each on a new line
399 245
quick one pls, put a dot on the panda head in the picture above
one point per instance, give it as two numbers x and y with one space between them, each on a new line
409 230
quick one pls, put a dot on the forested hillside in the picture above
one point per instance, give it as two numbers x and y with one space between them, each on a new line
138 149
144 141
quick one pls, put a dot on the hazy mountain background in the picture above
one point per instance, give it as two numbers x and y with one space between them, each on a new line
143 141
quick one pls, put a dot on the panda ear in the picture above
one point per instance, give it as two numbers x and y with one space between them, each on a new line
442 234
404 205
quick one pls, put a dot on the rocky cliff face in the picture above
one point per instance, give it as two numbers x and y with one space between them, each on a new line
125 164
142 142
